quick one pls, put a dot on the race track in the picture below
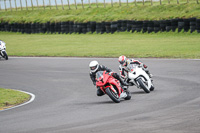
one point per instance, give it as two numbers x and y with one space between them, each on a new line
66 101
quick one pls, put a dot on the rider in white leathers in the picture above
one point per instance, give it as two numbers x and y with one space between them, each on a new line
124 66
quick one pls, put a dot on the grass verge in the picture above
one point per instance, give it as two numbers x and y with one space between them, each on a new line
164 45
9 98
109 13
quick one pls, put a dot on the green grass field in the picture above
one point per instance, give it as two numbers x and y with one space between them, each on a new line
164 45
124 12
9 98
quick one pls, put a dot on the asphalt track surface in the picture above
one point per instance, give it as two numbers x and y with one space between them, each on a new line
66 100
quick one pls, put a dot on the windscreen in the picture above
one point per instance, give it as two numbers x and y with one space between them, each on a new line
99 75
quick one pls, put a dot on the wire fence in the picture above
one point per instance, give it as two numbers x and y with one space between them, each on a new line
19 5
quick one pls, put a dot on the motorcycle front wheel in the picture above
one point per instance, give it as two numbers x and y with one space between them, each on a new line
112 95
5 55
143 85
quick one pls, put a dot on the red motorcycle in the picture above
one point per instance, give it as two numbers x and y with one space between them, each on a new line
111 86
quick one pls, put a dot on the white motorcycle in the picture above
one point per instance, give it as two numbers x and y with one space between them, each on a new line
3 50
137 76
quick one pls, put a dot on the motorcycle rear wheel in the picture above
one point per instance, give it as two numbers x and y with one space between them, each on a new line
112 95
143 85
128 95
152 86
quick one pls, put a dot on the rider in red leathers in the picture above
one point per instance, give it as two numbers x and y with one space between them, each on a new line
95 67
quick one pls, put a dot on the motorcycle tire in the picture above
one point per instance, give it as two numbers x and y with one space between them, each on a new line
152 87
128 95
5 55
143 86
112 95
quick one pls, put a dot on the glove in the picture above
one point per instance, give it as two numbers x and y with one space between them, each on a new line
111 73
144 66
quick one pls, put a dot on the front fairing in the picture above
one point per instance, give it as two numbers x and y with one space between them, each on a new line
101 78
114 81
2 45
136 73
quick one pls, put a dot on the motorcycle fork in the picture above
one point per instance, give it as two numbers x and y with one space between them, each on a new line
111 86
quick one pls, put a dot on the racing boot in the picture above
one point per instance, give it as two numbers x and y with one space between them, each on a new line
100 92
125 88
123 83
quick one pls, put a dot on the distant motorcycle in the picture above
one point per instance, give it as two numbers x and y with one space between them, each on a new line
111 86
137 76
3 50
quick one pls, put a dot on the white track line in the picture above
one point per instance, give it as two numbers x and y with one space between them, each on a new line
32 98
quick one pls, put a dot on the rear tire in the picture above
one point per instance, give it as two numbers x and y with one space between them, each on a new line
128 95
112 95
143 85
152 86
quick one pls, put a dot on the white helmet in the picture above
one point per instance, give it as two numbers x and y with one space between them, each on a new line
94 65
122 60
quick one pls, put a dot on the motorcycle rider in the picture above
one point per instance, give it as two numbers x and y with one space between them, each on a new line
95 67
124 66
1 42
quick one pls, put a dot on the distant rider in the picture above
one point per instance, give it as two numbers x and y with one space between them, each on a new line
95 67
124 66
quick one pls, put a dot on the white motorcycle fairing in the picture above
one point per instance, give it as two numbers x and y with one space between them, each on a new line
137 73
